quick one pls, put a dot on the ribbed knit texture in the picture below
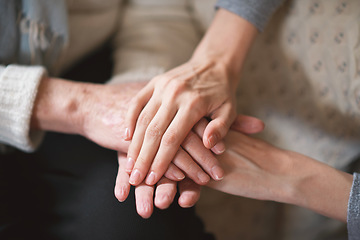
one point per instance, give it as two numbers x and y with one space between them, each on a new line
18 88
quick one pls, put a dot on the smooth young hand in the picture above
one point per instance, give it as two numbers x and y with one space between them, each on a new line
256 169
164 112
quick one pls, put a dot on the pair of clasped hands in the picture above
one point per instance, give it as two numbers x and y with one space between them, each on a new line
175 126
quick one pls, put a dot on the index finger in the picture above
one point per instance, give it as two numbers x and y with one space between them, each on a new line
122 185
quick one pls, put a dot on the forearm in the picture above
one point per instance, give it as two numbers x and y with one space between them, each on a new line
256 169
95 111
59 106
321 188
226 42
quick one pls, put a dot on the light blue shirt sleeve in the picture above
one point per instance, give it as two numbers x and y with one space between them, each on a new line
258 12
353 215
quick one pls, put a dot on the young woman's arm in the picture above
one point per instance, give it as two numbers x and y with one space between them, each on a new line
256 169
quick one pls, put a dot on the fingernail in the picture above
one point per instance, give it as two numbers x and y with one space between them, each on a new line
203 177
129 165
212 141
179 175
134 177
218 148
150 180
127 134
217 173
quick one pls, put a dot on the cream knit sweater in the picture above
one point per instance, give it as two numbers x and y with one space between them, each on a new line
155 36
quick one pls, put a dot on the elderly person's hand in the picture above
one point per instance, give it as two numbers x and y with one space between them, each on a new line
97 112
164 191
162 114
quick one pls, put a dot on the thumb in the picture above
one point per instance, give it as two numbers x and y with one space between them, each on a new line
217 128
247 124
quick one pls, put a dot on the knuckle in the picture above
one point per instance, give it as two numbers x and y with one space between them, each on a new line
135 101
170 138
144 119
196 98
153 131
196 105
159 79
176 88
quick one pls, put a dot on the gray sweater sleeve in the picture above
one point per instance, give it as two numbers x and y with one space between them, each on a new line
257 12
353 216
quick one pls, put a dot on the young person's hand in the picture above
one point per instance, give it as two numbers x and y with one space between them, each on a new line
162 114
256 169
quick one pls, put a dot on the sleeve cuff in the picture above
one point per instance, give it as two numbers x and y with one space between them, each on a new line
256 12
18 89
353 215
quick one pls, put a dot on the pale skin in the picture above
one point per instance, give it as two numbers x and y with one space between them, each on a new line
256 169
166 189
252 167
162 114
97 112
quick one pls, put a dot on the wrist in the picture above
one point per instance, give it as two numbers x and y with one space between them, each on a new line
227 42
59 106
320 188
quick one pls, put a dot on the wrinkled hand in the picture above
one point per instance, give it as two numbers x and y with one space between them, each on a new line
164 194
104 119
162 114
106 107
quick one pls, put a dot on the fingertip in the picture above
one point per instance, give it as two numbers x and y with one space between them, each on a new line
213 134
174 173
151 179
129 165
121 193
203 178
163 201
144 209
219 148
135 177
187 200
217 173
211 141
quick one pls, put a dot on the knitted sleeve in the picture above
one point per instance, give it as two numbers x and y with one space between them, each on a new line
258 12
18 88
353 217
